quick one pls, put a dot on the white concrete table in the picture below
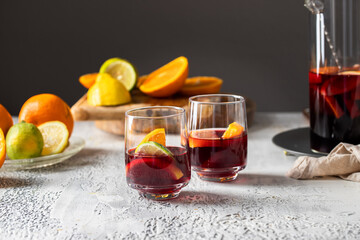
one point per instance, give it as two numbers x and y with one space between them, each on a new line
86 197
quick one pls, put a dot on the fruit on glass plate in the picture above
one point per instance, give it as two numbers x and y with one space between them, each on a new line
87 80
122 70
201 85
24 140
2 148
5 119
46 107
157 135
166 80
107 91
55 135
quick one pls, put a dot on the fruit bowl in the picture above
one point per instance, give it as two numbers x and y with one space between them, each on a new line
76 144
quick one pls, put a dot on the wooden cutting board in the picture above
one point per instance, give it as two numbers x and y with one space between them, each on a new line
111 119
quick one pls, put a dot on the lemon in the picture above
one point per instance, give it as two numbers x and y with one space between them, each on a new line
55 135
107 91
24 140
122 70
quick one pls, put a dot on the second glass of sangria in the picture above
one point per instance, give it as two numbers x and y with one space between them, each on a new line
217 136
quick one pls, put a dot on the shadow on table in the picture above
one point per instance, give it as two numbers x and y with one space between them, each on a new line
261 179
200 197
8 182
86 157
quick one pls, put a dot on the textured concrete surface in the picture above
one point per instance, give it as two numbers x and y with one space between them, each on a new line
86 197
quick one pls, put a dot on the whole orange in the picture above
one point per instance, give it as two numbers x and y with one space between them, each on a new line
5 119
44 108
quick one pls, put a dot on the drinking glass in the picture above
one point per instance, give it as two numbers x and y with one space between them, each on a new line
156 158
217 136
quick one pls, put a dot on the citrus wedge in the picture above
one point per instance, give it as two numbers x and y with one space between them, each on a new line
107 91
234 130
166 80
157 135
122 70
88 80
201 85
153 149
350 73
55 135
2 148
141 80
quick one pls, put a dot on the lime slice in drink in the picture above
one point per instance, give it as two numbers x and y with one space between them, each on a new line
122 70
153 149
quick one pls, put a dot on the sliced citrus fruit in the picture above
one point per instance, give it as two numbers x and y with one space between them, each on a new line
55 136
201 85
122 70
2 148
153 149
157 135
140 170
157 150
88 80
166 80
233 130
204 138
350 73
24 140
107 91
141 80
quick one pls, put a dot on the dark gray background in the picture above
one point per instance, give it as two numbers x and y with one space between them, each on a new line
259 47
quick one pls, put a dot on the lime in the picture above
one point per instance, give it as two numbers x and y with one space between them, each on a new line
55 135
122 70
153 149
107 91
24 140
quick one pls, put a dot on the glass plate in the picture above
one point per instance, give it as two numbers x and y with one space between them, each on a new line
76 144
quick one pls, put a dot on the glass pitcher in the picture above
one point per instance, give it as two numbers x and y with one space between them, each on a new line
334 75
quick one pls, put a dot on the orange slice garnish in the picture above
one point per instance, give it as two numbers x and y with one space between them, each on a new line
201 85
166 80
157 135
88 80
233 130
2 148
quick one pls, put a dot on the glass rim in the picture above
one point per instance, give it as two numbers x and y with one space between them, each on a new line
240 99
179 109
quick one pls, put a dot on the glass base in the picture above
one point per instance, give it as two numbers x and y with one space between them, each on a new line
218 174
160 197
159 193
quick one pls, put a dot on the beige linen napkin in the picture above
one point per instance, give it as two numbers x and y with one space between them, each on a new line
343 161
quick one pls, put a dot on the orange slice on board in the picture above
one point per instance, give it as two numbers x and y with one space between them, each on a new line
201 85
88 80
166 80
2 148
141 80
157 135
234 130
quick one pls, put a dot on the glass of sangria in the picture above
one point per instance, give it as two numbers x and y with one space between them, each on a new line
156 157
217 136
